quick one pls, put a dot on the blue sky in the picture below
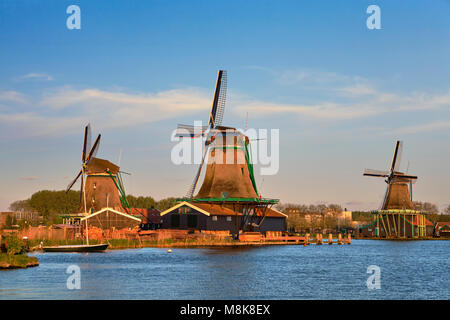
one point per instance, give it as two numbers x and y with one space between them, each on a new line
340 94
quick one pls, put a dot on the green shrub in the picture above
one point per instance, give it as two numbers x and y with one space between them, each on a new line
13 245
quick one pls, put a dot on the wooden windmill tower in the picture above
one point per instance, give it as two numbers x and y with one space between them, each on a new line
229 178
101 184
397 215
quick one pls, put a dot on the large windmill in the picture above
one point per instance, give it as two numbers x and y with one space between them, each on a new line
397 216
101 183
229 178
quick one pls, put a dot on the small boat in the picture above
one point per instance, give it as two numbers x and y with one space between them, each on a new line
77 248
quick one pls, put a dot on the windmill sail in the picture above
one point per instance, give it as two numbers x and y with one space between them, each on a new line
375 173
395 165
94 149
220 95
189 131
191 190
74 180
86 142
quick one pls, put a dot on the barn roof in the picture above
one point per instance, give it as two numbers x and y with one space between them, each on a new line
440 225
184 203
271 212
211 209
113 211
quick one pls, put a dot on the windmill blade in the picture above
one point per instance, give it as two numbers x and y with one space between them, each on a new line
120 157
399 156
82 187
396 158
406 176
383 205
86 142
189 131
94 149
218 106
191 190
375 173
73 181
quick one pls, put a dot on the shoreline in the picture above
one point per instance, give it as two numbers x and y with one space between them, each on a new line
121 244
20 261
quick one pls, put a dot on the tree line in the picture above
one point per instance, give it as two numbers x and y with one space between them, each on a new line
51 204
309 218
303 217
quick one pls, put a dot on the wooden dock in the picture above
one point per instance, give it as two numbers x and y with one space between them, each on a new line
319 239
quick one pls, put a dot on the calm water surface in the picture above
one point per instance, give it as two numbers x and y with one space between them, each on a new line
409 270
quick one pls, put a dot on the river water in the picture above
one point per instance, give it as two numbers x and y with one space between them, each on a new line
409 270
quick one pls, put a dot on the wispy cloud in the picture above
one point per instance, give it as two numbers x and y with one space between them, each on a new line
12 96
62 110
326 110
357 90
31 178
377 104
420 128
35 76
342 97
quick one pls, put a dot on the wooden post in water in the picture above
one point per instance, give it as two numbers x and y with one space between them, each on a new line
330 239
339 238
349 238
307 238
318 241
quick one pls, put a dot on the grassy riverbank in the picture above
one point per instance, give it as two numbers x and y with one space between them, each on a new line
137 243
9 261
167 243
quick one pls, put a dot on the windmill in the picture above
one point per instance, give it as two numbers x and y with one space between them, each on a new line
397 216
397 195
101 183
229 177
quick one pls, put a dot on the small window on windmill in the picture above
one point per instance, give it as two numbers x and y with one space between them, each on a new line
224 195
95 185
242 171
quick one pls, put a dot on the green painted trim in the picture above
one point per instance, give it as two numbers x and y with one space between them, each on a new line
370 224
123 198
250 169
